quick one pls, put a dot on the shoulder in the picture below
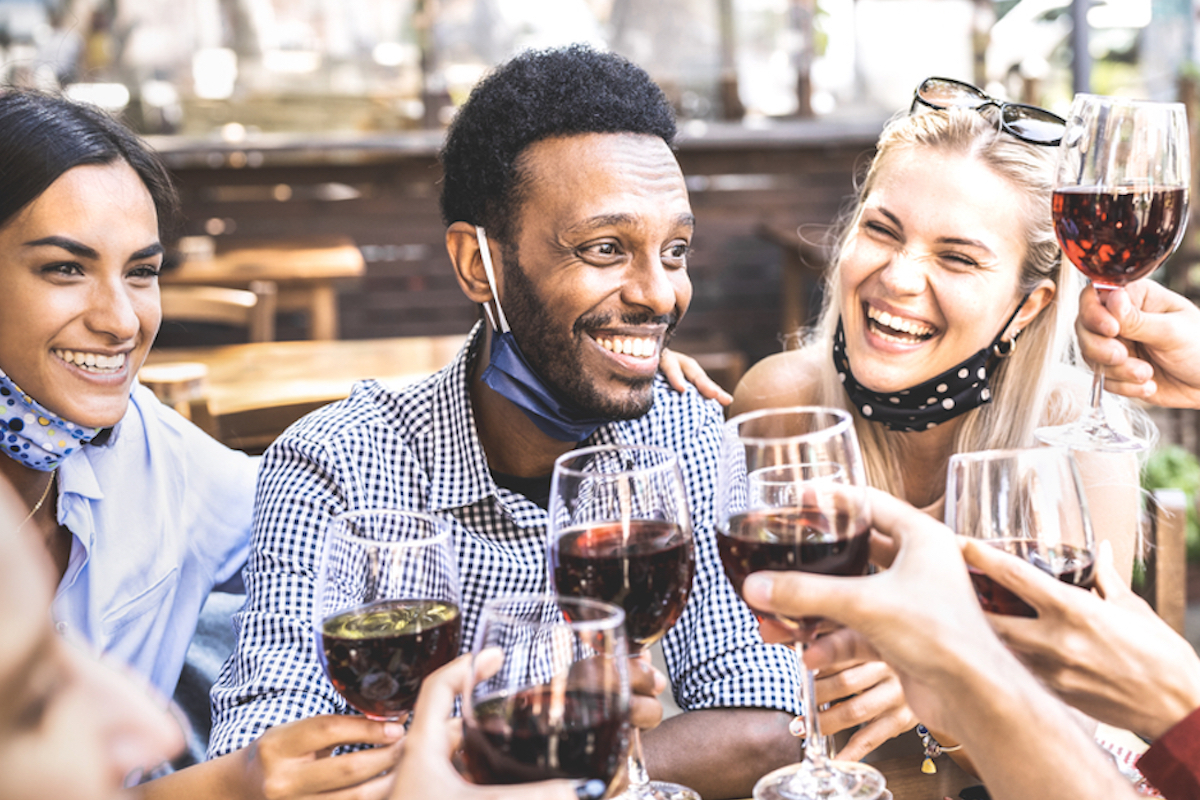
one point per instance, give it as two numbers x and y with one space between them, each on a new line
783 379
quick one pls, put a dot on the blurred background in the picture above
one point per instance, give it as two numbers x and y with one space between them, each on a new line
201 67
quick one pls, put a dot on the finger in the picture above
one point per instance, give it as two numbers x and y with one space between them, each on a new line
773 631
704 384
344 771
644 679
645 712
841 646
1035 587
378 788
833 686
669 366
870 736
435 703
1095 311
884 698
329 731
548 790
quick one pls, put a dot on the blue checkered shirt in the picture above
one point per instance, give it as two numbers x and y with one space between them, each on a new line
418 448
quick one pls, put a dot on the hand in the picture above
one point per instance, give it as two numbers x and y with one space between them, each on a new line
863 691
682 371
293 760
1147 339
645 683
425 771
920 615
1107 654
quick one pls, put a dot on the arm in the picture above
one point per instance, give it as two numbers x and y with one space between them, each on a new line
921 617
1147 338
1107 654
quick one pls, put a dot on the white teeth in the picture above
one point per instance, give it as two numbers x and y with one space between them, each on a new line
92 362
899 323
638 348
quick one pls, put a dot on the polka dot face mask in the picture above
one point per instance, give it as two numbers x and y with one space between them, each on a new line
940 399
31 434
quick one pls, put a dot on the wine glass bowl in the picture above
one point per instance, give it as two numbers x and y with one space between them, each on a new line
1030 503
1120 209
548 695
387 607
621 532
791 496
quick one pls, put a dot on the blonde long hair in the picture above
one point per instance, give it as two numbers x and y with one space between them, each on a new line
1046 346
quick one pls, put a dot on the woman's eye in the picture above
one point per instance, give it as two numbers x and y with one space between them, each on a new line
145 271
882 230
959 260
69 268
30 717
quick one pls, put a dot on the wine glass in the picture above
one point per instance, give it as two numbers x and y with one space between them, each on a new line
621 532
1030 503
387 606
548 695
791 496
1120 208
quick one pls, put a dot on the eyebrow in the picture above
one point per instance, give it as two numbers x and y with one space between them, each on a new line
83 251
941 239
605 220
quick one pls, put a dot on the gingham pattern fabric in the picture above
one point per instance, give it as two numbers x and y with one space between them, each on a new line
418 448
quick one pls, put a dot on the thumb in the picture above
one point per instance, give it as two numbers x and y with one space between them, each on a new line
1109 583
797 594
1137 324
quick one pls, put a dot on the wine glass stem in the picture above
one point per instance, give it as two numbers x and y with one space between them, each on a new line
814 743
638 777
1097 410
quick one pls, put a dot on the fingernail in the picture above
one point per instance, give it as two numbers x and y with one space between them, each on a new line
591 790
797 727
757 588
393 730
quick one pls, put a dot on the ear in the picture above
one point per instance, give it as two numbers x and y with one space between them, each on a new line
1037 301
463 248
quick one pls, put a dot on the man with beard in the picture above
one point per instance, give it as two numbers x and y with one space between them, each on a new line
569 223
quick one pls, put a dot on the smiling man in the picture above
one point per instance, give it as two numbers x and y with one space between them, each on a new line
568 222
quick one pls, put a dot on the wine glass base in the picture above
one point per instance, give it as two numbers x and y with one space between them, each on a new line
849 780
1090 437
658 790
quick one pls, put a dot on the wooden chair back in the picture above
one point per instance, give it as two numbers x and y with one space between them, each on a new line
1165 556
253 309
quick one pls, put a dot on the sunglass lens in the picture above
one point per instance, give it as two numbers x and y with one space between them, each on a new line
946 93
1034 124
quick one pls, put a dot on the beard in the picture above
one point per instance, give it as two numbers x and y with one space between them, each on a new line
558 357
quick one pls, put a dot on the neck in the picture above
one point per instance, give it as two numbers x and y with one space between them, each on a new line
32 485
512 443
924 456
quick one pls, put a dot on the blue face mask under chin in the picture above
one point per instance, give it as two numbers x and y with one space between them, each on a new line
510 375
32 434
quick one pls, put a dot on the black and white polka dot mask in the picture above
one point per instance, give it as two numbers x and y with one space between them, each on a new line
937 400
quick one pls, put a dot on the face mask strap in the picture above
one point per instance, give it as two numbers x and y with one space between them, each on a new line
485 253
1003 348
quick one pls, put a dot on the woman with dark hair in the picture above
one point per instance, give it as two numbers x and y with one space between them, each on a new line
142 513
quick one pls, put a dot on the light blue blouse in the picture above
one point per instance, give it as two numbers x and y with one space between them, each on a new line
160 514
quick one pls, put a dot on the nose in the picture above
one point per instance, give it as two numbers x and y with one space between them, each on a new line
113 311
649 284
905 273
132 731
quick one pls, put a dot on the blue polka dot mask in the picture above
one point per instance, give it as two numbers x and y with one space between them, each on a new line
940 399
33 435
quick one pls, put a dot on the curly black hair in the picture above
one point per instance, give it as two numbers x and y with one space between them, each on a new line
537 95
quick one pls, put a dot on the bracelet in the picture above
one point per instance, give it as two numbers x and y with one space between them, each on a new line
932 749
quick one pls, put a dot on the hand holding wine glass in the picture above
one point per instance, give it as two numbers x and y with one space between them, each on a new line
548 694
792 496
1029 503
1120 208
621 532
387 607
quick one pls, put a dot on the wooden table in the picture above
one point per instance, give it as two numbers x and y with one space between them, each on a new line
251 392
305 271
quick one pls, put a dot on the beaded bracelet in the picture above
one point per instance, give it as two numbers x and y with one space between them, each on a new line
932 749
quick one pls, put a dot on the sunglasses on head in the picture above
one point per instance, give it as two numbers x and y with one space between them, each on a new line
1027 123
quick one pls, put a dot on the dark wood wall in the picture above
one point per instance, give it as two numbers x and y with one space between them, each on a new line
751 191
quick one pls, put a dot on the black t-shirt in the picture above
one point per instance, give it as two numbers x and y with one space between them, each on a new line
536 489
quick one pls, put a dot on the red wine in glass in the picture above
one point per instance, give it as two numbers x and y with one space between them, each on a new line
377 656
793 539
643 566
1069 563
537 734
1117 235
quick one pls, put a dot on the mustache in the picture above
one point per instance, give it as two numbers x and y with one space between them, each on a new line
632 319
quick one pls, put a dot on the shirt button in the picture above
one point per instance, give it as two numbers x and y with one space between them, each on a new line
61 627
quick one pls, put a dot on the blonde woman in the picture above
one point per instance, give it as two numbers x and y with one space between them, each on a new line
947 324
